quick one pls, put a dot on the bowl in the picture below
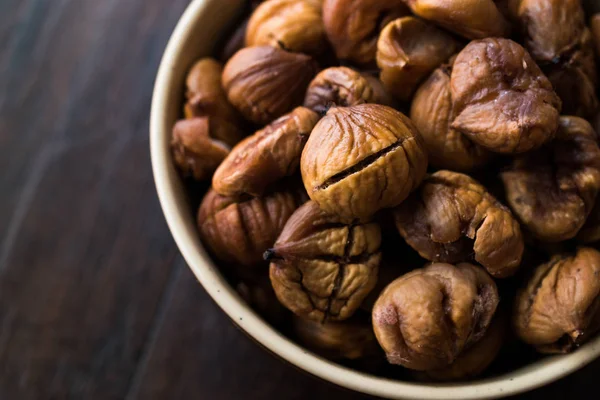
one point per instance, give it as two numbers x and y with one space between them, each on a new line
199 29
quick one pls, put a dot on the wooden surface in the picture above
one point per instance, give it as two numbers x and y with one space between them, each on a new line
95 300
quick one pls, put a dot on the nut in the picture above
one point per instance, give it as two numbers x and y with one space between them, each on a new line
551 27
235 41
240 230
452 217
382 96
195 153
473 361
501 98
590 231
575 79
408 50
426 319
267 156
353 26
557 38
351 339
361 159
432 112
295 25
553 190
264 83
338 86
473 19
558 308
321 268
206 98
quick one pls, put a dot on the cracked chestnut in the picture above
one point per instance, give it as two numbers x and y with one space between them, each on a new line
322 268
427 318
557 310
452 218
361 159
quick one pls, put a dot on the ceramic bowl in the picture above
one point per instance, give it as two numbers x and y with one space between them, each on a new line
196 35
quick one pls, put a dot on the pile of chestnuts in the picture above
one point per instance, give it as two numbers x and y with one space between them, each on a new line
405 180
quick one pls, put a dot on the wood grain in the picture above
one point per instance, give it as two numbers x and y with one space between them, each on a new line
95 301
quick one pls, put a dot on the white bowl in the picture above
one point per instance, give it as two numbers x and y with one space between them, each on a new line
202 24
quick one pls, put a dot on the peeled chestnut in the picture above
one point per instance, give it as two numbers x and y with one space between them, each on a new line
427 318
558 308
451 218
206 98
473 19
338 86
294 25
408 50
432 112
473 361
322 268
267 156
353 26
501 98
264 82
552 191
361 159
195 153
240 230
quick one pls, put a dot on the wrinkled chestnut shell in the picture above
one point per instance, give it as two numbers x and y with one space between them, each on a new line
340 87
239 231
426 319
452 218
361 159
473 19
432 112
501 98
558 308
353 26
295 25
553 190
351 339
264 83
408 50
321 268
267 156
195 153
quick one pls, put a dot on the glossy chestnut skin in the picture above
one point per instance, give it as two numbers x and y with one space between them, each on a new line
427 318
552 190
557 310
361 159
269 155
352 26
473 19
295 25
238 230
264 82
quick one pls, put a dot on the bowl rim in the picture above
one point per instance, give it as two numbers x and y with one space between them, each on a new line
523 379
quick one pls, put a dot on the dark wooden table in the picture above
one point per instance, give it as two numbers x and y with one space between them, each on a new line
95 300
